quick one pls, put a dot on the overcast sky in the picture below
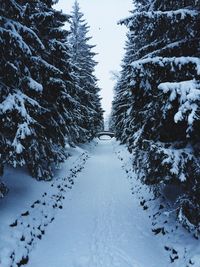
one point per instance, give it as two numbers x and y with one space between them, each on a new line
102 16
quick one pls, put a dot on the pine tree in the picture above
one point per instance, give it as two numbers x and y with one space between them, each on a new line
19 109
36 115
85 88
163 119
121 119
40 110
54 73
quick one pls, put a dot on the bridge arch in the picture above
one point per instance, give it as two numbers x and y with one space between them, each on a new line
105 133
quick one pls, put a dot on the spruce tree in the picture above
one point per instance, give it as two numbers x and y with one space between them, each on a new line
40 109
163 119
19 108
121 106
54 73
85 88
36 115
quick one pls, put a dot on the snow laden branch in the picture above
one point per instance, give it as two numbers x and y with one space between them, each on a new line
157 97
19 103
188 94
42 110
180 14
167 61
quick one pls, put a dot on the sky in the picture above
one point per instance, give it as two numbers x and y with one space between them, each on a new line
109 37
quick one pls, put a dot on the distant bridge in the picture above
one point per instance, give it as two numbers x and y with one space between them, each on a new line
105 133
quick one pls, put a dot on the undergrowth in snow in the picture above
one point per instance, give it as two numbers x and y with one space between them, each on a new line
146 220
182 246
22 234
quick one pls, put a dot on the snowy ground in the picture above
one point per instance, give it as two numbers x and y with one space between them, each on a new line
95 214
31 206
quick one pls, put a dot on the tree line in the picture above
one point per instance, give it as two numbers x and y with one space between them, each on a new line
49 96
156 108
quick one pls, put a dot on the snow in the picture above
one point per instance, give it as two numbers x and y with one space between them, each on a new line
100 225
28 197
161 61
181 246
104 137
50 68
188 93
162 50
15 38
20 29
17 101
22 132
34 85
95 213
175 160
183 13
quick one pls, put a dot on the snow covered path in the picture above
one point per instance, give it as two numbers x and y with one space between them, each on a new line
100 225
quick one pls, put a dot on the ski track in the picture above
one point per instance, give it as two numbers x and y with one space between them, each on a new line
100 225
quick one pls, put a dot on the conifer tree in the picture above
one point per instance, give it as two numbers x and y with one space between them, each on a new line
19 109
54 73
163 119
121 119
85 87
40 109
35 111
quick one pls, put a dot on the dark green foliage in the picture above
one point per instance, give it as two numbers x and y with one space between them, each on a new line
84 82
40 109
32 88
157 104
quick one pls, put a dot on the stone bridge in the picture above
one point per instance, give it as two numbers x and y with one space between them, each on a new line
105 133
